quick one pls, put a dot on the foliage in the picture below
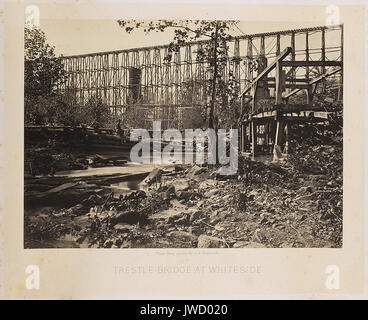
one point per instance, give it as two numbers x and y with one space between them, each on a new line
135 117
63 110
96 113
44 105
43 228
222 86
318 150
327 95
43 71
194 118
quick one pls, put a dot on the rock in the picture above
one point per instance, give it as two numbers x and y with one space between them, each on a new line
153 177
240 244
129 217
78 210
181 185
178 167
126 244
182 220
251 195
196 230
184 195
170 191
214 206
219 176
170 214
200 203
218 227
286 244
215 216
183 236
307 189
195 170
258 236
137 194
207 183
92 200
123 226
211 193
107 244
263 220
205 241
194 215
247 244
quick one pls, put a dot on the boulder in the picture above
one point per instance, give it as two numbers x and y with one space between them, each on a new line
170 214
182 220
181 185
247 244
307 189
129 217
194 215
153 177
126 244
196 230
183 236
211 193
170 191
205 241
195 170
184 195
123 226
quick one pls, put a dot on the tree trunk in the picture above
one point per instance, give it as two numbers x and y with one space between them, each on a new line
213 98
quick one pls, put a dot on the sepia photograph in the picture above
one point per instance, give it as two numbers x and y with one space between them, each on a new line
183 134
183 151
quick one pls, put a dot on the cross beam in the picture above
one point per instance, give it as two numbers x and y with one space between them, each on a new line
314 81
311 64
267 70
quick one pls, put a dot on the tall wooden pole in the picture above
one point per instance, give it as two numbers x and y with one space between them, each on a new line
214 79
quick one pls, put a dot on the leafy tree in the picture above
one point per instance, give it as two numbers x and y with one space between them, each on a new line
96 113
223 88
43 103
43 71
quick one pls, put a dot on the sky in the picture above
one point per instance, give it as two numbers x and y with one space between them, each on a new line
73 37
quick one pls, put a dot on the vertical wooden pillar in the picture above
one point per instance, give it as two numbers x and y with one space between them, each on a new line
307 55
293 73
266 134
323 51
287 137
309 93
243 137
254 93
277 44
250 59
262 50
254 138
280 125
278 91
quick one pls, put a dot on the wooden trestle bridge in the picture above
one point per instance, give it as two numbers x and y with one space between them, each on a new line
270 69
